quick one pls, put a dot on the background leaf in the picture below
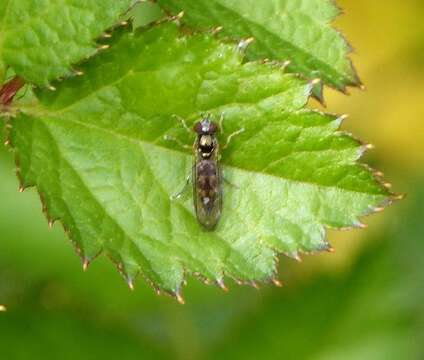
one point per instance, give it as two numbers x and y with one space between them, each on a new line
114 194
40 40
295 30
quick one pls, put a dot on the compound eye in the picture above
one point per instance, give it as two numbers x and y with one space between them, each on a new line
197 127
213 128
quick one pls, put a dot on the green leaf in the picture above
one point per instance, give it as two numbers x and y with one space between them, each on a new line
295 30
95 149
40 40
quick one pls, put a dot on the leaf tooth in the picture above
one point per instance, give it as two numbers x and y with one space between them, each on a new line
130 283
179 15
7 142
286 64
129 278
221 284
201 277
364 148
399 197
294 255
277 282
339 120
78 72
3 308
243 44
359 225
177 294
51 223
216 30
315 81
51 88
103 47
21 189
254 284
387 185
85 264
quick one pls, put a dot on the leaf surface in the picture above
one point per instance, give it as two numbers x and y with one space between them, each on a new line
40 40
296 30
95 149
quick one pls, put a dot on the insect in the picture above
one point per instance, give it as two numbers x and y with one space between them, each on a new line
206 174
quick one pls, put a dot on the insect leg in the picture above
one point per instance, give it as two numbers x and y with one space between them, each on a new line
235 133
228 182
183 190
171 138
183 122
221 122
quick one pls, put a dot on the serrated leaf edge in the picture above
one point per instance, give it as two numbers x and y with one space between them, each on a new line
177 293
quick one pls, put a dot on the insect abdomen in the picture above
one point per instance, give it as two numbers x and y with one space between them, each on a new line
207 193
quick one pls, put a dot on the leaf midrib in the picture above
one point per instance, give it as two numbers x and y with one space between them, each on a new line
131 238
154 144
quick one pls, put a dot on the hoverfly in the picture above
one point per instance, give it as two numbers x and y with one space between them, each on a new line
206 176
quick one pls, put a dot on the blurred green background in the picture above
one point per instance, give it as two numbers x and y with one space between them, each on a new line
363 302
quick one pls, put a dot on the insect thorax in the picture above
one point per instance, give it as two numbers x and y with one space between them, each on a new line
206 146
